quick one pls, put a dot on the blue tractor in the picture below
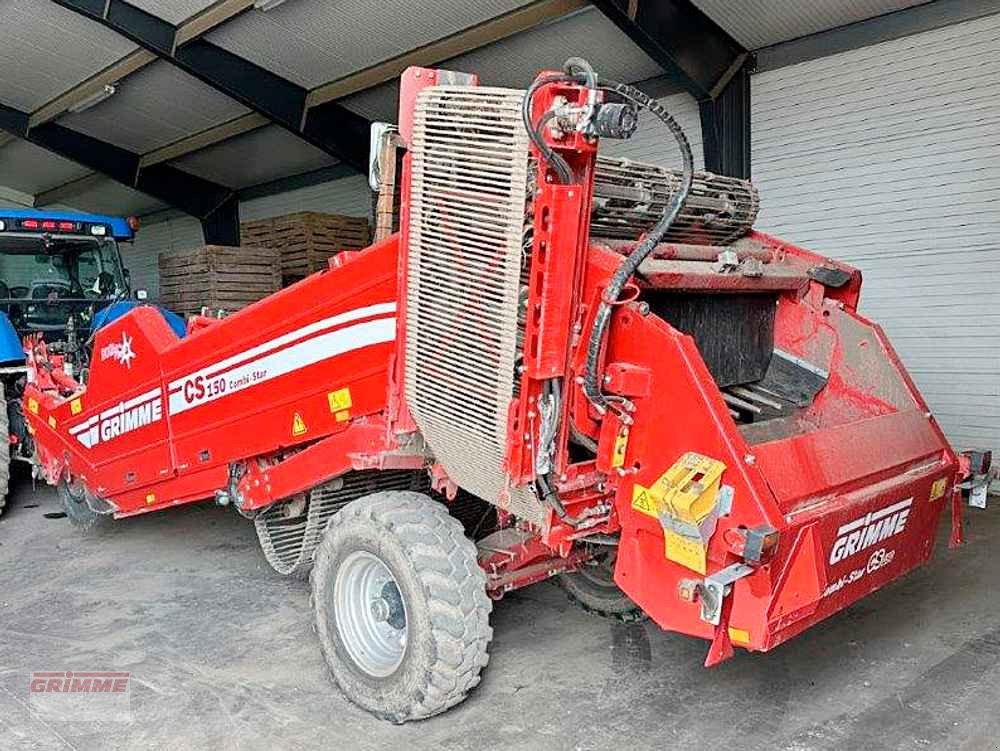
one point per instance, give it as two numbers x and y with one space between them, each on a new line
61 277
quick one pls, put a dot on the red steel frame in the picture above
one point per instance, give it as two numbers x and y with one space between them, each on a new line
306 385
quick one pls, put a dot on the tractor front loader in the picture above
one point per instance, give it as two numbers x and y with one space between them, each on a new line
564 365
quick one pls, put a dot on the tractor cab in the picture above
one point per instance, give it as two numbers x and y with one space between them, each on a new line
57 272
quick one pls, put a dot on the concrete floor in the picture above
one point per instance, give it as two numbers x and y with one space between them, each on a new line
222 656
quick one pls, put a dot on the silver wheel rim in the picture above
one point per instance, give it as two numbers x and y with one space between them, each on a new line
370 613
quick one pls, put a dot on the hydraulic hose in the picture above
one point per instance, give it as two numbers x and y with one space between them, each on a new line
578 70
591 381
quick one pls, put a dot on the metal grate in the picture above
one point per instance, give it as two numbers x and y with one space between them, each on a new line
290 531
467 207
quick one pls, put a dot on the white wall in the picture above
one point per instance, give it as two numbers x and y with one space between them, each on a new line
652 141
888 157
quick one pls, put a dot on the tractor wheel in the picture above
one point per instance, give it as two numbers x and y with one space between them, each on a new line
77 502
4 449
400 606
593 588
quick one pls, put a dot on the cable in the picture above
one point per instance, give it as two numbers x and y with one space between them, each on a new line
591 384
559 164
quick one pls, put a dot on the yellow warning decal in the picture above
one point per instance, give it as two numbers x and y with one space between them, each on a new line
339 400
618 452
298 425
76 406
343 416
643 501
52 422
739 636
150 499
938 488
33 406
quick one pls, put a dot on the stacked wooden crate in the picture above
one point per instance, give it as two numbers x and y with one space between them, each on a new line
217 277
306 240
388 199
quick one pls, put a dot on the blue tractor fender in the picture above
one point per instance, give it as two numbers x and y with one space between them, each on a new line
116 310
11 348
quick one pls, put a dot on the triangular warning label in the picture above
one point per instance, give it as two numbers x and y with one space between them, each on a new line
298 425
643 501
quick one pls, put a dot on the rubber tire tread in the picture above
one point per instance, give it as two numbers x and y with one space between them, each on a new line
442 563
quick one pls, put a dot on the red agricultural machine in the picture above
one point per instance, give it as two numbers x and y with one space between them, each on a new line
564 365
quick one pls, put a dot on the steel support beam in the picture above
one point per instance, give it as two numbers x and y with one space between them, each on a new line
690 47
725 127
700 57
209 202
339 132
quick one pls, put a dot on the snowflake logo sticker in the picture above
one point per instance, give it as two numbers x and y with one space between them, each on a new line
121 351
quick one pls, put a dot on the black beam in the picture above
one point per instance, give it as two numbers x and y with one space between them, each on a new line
725 127
295 182
222 226
335 129
189 193
690 47
700 57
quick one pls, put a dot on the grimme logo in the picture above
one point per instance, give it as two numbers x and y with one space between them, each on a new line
82 695
120 419
79 683
870 530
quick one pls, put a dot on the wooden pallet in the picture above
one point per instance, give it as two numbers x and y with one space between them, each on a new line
217 277
306 240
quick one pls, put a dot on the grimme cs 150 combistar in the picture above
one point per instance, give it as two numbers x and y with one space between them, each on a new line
564 365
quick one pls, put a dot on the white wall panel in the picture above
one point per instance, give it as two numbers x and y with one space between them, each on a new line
888 157
152 239
652 141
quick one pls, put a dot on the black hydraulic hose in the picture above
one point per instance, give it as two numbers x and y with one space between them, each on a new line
591 382
534 131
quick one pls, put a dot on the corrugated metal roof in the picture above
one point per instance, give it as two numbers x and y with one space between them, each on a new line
256 157
109 197
158 105
30 169
46 49
516 61
760 23
174 11
313 42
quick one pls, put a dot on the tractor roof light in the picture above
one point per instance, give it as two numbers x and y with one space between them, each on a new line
133 223
3 225
99 230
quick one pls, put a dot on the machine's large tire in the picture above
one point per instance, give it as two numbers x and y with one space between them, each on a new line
593 588
417 646
4 448
74 498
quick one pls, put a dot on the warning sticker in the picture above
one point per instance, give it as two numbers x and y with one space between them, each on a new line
643 501
938 488
618 452
76 406
33 405
299 425
339 400
343 415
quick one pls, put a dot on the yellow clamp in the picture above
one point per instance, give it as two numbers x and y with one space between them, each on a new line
686 501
